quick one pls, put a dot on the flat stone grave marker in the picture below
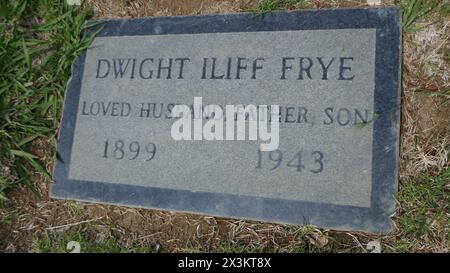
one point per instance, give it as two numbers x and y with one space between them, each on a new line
331 76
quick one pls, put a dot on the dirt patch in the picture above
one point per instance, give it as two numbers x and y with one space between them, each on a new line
349 4
426 100
141 8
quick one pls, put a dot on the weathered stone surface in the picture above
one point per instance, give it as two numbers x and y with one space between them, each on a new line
333 73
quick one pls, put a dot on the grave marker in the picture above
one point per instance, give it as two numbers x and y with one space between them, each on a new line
334 74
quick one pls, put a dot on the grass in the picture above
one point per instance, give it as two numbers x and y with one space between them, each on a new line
424 215
38 42
424 210
59 242
415 11
273 5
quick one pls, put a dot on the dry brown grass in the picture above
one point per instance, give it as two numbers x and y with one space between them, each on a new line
424 149
426 93
142 8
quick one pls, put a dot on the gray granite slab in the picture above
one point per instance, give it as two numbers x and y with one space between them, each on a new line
334 74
